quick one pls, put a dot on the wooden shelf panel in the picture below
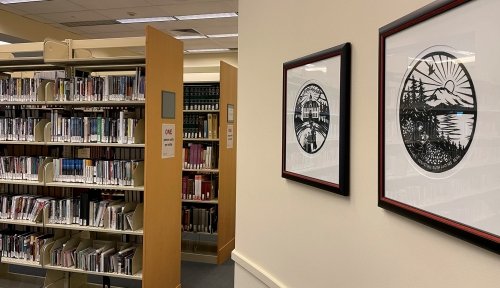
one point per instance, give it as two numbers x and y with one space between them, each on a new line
200 140
135 145
196 257
21 262
21 222
94 186
94 229
201 170
96 103
22 102
22 143
137 276
138 145
21 182
214 201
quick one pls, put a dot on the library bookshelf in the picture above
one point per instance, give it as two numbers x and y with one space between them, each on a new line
151 183
207 244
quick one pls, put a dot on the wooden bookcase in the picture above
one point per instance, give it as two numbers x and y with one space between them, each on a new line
159 179
216 247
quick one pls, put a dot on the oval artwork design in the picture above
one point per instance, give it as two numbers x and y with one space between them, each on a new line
437 111
311 118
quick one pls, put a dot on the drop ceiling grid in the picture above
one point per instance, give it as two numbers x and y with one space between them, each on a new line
55 12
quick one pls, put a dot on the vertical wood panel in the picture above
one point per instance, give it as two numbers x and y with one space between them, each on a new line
162 200
227 163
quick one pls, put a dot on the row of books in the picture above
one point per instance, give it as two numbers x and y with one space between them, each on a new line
19 89
111 126
201 126
20 167
88 171
199 187
200 156
84 211
23 245
22 207
201 97
102 259
196 219
100 88
18 129
73 253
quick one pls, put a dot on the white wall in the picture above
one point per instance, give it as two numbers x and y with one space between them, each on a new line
297 236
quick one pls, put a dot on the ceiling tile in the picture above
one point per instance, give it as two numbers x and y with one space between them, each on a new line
11 8
72 17
199 8
140 12
210 30
227 42
53 6
115 34
114 28
109 4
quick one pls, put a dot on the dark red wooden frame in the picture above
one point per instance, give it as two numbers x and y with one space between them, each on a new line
470 234
344 52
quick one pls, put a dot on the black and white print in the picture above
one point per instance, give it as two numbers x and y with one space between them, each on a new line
311 118
437 110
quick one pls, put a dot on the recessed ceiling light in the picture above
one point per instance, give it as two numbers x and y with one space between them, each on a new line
185 37
223 35
145 20
207 50
207 16
3 43
18 1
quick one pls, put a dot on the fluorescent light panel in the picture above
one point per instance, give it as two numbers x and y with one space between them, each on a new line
207 16
145 20
223 35
207 50
3 43
18 1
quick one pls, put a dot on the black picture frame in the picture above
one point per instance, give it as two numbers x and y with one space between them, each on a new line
332 80
440 216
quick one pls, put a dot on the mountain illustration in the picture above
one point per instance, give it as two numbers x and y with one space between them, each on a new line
442 97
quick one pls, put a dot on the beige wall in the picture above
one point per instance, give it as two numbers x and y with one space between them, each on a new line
304 237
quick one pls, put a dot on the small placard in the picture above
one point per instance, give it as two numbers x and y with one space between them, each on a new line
167 105
230 113
230 136
168 141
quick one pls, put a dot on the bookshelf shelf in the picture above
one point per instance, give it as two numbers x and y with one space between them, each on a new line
160 254
201 111
21 262
200 140
199 257
22 103
137 276
94 186
96 103
139 145
201 170
216 247
94 229
21 182
21 222
215 201
21 143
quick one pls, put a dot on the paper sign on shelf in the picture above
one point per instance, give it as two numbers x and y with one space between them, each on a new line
168 141
229 136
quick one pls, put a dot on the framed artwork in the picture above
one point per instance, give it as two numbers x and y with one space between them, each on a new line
439 119
316 92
